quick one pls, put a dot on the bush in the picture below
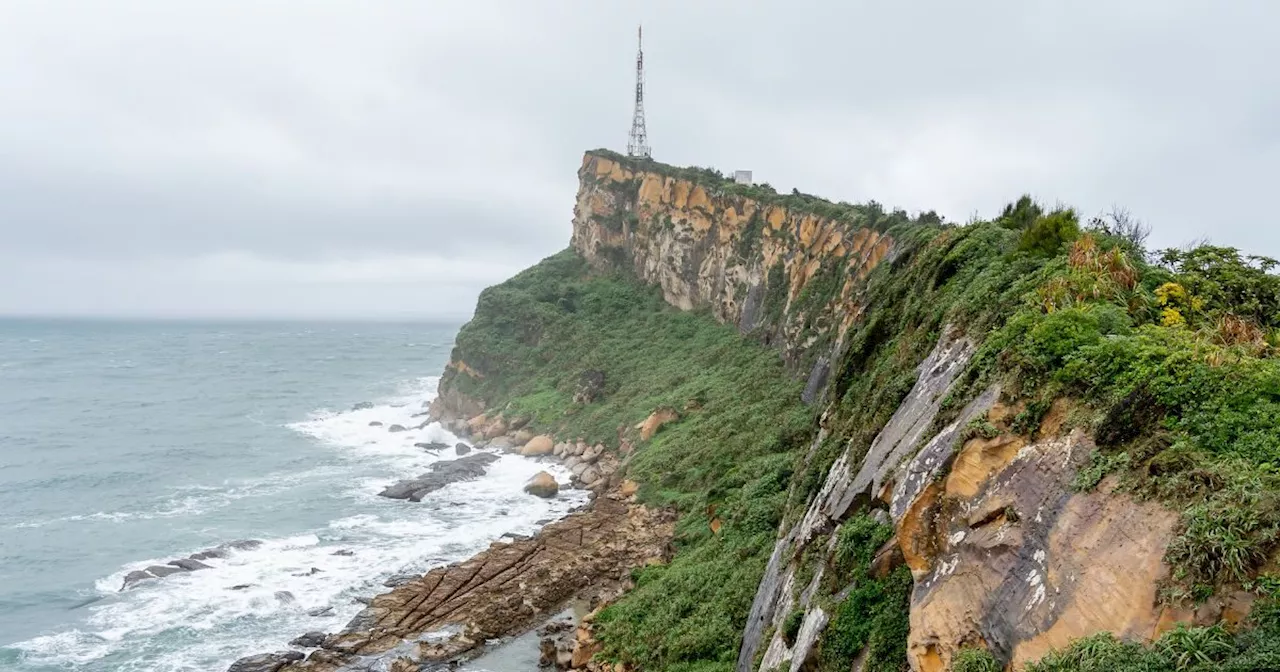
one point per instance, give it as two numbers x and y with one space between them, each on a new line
1050 233
975 660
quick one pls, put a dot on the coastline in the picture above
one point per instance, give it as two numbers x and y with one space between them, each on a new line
462 611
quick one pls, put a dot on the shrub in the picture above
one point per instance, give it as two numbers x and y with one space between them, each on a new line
975 660
1050 233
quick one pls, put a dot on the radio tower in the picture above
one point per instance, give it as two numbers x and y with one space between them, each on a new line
638 143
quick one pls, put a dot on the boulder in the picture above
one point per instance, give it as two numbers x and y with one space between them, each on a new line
518 423
375 423
538 445
134 577
241 586
593 453
579 468
558 449
242 544
442 473
629 487
362 406
542 485
320 611
313 572
310 640
187 564
397 428
496 427
433 446
590 475
265 662
655 421
477 423
500 443
580 447
461 449
209 553
572 462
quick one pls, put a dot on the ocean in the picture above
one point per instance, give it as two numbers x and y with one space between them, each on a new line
128 444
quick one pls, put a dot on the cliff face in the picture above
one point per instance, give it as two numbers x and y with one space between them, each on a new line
790 274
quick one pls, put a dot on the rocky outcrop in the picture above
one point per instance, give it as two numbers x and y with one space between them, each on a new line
190 563
265 662
442 473
655 421
454 609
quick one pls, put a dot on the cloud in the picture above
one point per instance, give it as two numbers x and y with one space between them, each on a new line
319 151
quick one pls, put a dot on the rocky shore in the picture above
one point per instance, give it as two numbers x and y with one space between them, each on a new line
453 612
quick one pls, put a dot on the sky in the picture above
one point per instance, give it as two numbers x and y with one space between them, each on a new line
389 159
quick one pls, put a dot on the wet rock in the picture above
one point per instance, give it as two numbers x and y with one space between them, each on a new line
397 428
313 572
265 662
538 445
590 475
542 485
344 552
241 586
285 597
424 423
400 580
375 423
442 473
242 545
310 640
461 448
320 611
162 571
433 446
361 599
189 565
362 406
134 577
209 553
501 443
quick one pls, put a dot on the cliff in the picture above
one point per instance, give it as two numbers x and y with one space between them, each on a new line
1023 443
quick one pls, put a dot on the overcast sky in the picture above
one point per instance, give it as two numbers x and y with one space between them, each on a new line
390 158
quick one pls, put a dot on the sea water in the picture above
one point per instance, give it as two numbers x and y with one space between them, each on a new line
128 444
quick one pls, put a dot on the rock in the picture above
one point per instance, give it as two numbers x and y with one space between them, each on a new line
366 601
375 423
579 468
518 423
495 428
461 449
265 662
397 428
521 437
285 597
542 485
442 473
655 421
590 475
455 608
320 611
593 453
629 487
580 448
241 586
311 639
423 424
400 580
134 577
362 406
313 572
558 449
344 552
538 445
433 446
501 443
189 565
590 387
572 462
209 553
242 544
162 571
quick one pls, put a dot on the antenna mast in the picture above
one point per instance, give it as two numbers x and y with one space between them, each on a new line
638 142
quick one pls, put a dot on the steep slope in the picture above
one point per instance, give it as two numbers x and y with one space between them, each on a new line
1022 440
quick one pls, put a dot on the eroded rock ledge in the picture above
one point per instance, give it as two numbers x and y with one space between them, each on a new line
504 589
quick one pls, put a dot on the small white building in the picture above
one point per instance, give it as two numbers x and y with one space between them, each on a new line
742 176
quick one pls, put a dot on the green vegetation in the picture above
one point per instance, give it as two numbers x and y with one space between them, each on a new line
975 660
874 613
731 452
1183 649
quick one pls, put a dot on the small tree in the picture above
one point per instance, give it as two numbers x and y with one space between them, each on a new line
1049 233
